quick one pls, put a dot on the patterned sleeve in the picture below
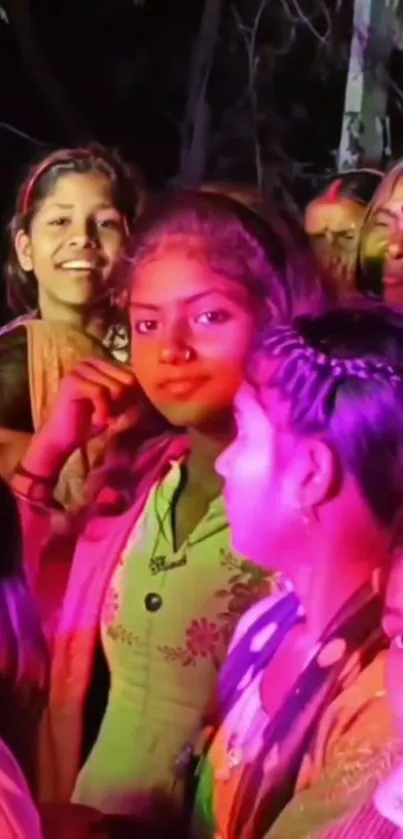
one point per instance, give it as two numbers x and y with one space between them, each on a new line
253 614
355 751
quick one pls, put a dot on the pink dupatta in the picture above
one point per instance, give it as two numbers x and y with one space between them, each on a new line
83 582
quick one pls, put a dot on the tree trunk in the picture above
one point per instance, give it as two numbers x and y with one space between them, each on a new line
365 120
21 21
196 123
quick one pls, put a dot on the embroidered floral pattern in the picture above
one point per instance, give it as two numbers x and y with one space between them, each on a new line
180 654
245 587
111 606
118 633
209 638
205 638
202 640
228 560
202 637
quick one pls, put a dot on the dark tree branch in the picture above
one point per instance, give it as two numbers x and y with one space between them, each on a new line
52 93
196 122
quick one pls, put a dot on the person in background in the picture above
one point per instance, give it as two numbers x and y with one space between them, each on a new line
300 730
153 587
380 253
73 215
333 222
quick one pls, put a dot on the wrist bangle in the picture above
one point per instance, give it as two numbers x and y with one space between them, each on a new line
49 481
34 488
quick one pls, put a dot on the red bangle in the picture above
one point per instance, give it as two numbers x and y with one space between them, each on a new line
33 488
38 479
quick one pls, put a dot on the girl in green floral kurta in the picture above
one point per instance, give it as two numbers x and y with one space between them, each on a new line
153 584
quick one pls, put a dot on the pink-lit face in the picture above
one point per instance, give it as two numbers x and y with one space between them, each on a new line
255 471
393 625
192 330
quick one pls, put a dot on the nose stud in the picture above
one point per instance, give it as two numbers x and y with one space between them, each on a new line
169 355
394 250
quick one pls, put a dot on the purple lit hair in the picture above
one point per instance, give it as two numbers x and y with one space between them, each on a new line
342 373
271 256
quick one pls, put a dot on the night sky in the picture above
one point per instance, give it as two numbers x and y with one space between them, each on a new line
122 67
117 71
113 62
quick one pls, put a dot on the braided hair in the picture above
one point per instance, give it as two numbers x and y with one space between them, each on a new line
342 375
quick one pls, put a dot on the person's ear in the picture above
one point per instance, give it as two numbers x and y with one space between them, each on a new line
23 249
315 474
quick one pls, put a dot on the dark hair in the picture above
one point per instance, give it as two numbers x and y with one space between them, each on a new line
342 373
270 256
23 651
249 196
128 193
357 185
369 271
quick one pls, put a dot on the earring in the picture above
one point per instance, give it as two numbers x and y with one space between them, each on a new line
304 514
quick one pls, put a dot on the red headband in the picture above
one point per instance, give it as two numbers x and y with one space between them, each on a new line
334 190
39 171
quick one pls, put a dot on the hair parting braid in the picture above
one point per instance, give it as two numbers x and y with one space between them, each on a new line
321 397
287 341
283 339
337 380
314 390
367 369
